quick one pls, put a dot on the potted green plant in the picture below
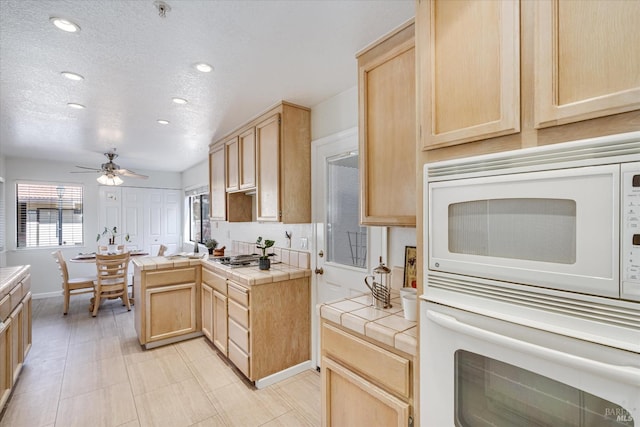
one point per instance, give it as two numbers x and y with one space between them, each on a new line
264 263
112 233
211 244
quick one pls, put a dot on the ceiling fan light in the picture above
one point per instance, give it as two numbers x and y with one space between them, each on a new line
72 76
109 180
64 24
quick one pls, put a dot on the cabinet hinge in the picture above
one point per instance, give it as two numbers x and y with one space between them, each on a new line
410 424
279 120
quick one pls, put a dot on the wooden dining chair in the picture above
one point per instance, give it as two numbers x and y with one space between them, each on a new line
111 279
162 250
71 286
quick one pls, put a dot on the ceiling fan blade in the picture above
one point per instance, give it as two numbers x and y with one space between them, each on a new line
127 172
92 169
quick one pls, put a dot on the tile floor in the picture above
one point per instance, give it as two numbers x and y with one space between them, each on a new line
84 371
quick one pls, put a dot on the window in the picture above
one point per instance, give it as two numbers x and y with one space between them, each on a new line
200 227
49 215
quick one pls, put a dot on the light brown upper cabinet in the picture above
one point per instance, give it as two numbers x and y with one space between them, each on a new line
271 154
217 185
387 130
587 60
247 159
231 164
469 83
241 161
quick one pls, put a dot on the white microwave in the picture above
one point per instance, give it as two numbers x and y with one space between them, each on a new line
564 217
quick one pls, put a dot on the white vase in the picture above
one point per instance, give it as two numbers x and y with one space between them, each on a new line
112 249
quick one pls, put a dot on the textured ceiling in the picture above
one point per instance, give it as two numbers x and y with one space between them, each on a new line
134 62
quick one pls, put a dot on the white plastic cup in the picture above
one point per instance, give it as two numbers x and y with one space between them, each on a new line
407 291
409 306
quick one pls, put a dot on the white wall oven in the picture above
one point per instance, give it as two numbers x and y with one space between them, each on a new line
531 309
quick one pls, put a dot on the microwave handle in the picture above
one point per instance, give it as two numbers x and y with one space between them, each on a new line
625 374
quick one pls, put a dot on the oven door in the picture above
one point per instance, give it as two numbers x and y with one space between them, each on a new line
480 371
557 229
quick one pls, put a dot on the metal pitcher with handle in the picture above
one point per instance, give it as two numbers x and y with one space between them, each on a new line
380 290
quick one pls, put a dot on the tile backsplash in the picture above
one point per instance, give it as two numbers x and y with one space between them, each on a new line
288 256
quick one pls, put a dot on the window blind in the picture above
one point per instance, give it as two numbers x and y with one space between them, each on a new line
49 215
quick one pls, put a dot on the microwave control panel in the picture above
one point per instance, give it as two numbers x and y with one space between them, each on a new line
630 257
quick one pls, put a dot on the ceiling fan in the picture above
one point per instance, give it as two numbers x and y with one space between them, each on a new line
110 172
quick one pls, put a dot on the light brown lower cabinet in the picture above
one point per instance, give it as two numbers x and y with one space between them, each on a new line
15 333
171 310
206 303
363 384
219 337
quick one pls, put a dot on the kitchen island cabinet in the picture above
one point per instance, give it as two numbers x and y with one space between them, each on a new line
170 289
368 358
15 326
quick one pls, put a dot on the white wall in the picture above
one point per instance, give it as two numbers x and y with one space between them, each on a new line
45 280
3 254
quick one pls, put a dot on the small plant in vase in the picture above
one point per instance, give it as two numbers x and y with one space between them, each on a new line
111 234
263 245
212 245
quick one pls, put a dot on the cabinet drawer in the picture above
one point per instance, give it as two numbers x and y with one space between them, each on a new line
16 295
5 307
216 282
239 313
239 358
366 358
171 277
239 335
238 294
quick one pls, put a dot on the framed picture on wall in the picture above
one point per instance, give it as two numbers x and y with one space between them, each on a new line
410 275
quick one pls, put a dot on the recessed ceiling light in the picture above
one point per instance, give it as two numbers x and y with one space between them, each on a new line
205 68
179 100
72 76
163 122
65 24
76 106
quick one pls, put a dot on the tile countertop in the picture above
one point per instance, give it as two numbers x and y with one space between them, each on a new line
248 276
9 276
387 326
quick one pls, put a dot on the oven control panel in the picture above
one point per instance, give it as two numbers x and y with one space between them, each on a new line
630 231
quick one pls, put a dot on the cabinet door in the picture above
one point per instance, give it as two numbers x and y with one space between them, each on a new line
387 131
469 62
217 185
231 164
207 311
171 311
220 321
17 355
350 400
587 60
26 326
6 377
268 169
247 158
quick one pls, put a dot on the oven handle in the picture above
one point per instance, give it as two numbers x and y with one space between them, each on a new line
625 374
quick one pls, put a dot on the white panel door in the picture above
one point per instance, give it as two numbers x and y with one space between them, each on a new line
172 223
153 228
133 217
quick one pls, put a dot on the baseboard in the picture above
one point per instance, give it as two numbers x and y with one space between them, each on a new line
284 374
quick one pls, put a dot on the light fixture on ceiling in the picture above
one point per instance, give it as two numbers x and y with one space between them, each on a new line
108 179
203 67
180 101
163 8
76 106
163 122
72 76
64 24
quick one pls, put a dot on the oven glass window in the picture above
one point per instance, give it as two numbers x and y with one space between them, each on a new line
493 393
525 229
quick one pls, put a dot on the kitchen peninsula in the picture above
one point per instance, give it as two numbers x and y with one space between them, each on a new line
259 320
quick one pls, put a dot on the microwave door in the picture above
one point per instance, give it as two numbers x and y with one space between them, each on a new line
556 229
